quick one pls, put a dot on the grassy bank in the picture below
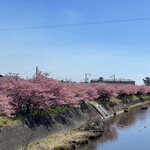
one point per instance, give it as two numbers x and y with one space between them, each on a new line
136 105
127 102
64 141
5 121
132 98
21 117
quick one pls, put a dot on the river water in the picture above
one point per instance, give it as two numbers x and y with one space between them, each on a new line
128 131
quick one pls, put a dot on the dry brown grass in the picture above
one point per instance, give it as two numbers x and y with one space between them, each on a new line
93 102
136 105
59 140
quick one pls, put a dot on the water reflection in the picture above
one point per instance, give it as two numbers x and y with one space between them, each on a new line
128 119
110 135
122 130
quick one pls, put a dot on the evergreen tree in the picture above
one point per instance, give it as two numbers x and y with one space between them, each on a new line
147 81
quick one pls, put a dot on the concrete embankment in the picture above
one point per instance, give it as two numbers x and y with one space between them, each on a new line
18 136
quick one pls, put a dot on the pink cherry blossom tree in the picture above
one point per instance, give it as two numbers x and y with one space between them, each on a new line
5 108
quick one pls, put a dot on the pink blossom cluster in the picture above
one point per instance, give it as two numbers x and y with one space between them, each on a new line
42 92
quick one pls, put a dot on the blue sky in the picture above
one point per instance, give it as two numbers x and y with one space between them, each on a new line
122 49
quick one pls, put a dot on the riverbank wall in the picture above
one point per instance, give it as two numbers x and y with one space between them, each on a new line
18 136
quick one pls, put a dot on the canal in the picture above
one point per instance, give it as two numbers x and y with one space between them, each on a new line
127 131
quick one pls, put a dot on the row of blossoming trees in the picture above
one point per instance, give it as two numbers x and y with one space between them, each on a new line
42 92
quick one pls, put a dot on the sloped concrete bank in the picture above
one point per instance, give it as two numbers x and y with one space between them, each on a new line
18 136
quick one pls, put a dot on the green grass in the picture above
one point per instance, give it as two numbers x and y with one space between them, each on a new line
135 98
115 100
51 111
128 98
5 121
145 96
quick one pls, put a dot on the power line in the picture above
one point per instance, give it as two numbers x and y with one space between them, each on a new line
27 71
75 24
